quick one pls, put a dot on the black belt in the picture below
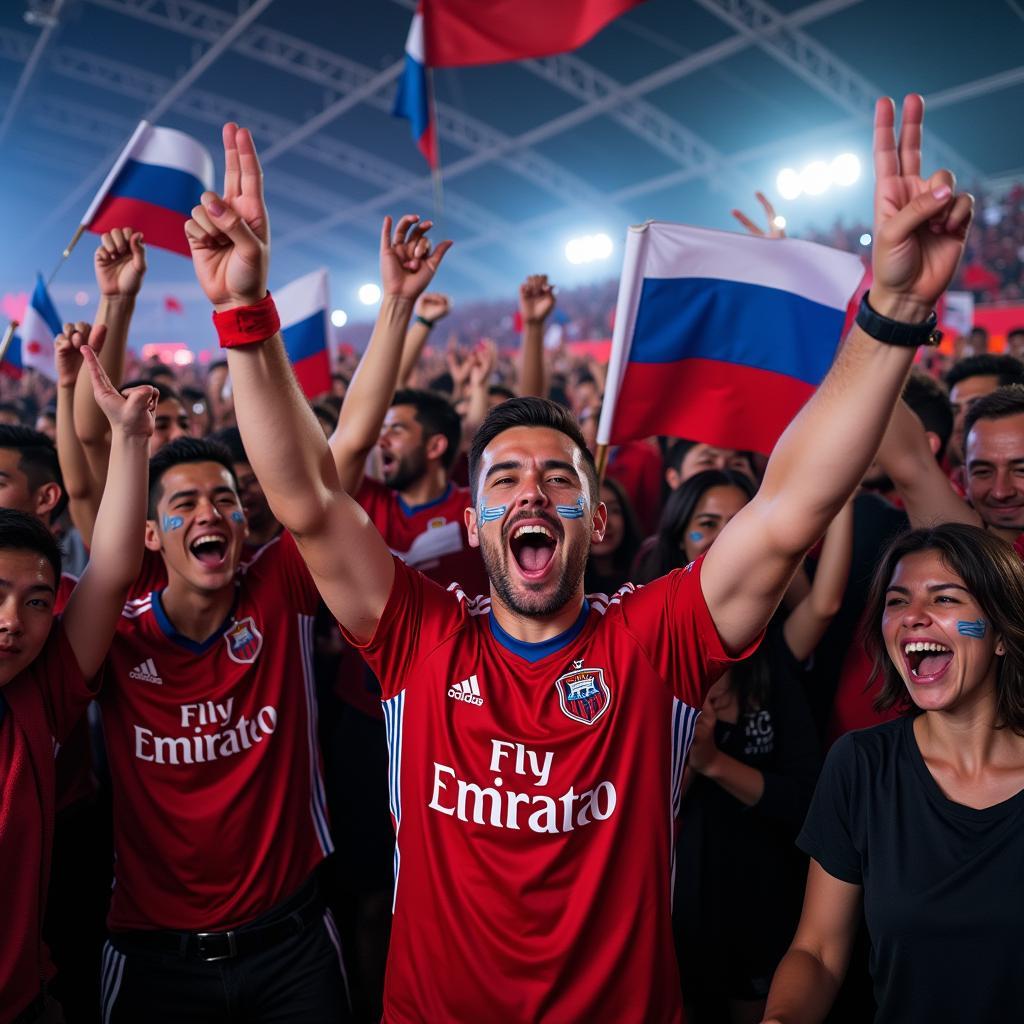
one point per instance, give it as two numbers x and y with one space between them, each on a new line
251 938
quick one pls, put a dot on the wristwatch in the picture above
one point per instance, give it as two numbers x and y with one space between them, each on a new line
894 332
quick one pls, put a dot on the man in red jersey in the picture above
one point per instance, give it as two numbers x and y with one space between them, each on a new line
46 671
219 814
536 739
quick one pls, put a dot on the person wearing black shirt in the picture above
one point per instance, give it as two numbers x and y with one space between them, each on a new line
921 819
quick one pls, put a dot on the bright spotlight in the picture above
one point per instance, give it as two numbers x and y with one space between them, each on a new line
339 317
602 247
183 357
865 239
788 183
816 177
588 248
845 169
779 222
369 294
574 250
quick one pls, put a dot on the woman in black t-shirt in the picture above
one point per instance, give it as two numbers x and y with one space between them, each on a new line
921 820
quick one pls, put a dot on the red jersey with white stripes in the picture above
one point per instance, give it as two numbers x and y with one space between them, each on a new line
533 788
430 537
219 809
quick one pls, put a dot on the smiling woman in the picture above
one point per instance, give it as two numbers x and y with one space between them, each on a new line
921 819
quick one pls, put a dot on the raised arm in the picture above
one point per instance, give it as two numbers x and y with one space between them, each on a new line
230 242
908 460
536 302
95 604
405 272
432 307
120 266
920 227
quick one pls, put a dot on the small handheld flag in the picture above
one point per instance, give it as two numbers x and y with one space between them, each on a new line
303 307
31 347
153 185
721 337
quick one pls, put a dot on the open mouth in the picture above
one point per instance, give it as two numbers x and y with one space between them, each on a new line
927 660
533 547
211 549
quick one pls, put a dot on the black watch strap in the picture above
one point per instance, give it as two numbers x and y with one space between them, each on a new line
894 332
429 324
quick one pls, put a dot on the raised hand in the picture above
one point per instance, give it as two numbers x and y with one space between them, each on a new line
921 224
459 365
482 361
120 262
229 235
433 306
132 413
773 230
67 349
536 299
407 261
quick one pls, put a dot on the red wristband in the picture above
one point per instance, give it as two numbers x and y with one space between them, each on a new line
247 325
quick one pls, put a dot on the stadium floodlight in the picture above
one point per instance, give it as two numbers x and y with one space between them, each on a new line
816 177
81 298
589 248
845 169
865 239
339 317
789 184
779 222
369 294
183 357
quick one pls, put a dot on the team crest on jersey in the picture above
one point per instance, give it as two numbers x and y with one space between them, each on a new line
437 522
244 641
583 694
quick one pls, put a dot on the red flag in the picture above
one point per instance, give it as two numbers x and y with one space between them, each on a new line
464 32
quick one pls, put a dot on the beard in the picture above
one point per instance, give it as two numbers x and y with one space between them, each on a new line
407 470
535 602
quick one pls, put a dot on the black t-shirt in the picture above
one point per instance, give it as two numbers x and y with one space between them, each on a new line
943 883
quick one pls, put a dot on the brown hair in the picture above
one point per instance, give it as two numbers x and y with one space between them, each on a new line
994 575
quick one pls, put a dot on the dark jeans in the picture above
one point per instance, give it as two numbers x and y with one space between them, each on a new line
299 980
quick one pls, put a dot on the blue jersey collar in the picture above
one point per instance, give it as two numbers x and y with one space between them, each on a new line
167 627
537 651
411 510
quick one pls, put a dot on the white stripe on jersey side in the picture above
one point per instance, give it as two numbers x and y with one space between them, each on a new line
133 609
332 934
394 709
317 799
684 719
110 982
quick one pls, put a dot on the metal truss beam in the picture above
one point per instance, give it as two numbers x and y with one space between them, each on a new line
29 70
764 26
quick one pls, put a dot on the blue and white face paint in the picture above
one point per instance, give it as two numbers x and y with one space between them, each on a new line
490 514
571 511
173 523
238 517
976 629
695 536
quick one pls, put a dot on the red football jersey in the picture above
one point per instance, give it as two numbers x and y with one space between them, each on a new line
219 808
533 790
431 537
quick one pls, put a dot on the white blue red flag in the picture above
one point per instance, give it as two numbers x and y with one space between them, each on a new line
413 100
152 187
721 337
31 347
303 307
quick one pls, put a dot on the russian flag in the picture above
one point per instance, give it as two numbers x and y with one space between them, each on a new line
303 307
412 101
31 347
721 337
153 186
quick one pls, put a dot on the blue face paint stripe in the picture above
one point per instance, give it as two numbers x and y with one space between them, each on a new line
173 523
571 511
237 517
695 536
489 515
976 629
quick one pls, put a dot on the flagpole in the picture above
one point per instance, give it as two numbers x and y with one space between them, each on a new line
601 459
5 344
66 253
435 172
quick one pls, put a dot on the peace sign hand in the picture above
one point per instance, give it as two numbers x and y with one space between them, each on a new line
921 224
230 236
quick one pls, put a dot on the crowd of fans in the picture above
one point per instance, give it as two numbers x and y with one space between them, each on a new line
897 650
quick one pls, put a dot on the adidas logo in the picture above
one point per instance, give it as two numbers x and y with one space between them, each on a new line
468 691
146 672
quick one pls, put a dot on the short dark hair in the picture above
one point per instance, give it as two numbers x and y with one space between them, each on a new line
436 415
677 453
20 531
1007 401
231 438
38 462
930 400
1007 369
993 574
1014 330
179 452
15 407
164 392
500 390
530 412
326 414
161 370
